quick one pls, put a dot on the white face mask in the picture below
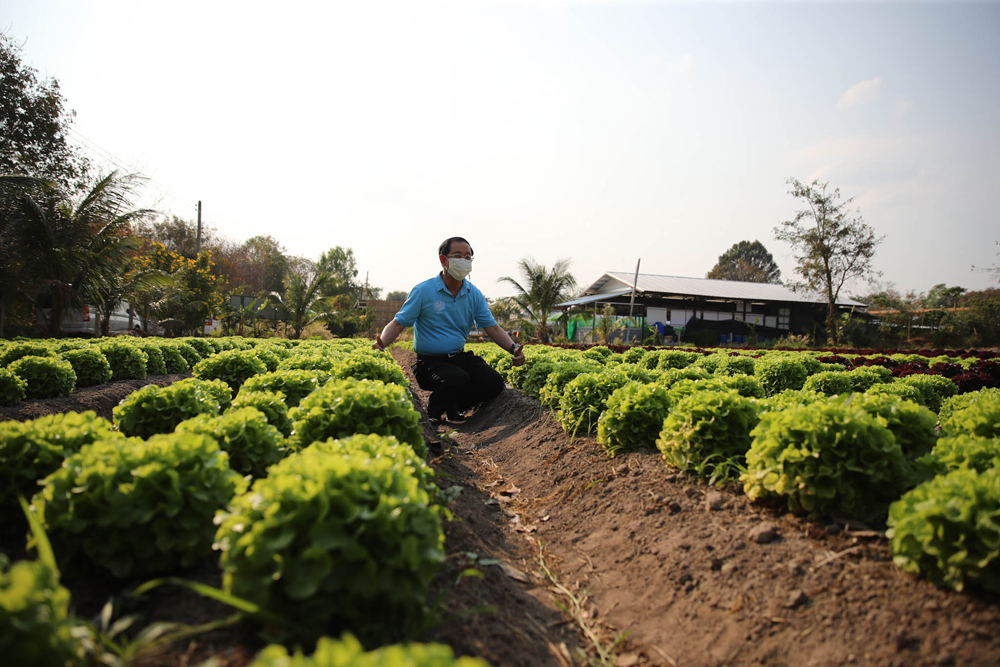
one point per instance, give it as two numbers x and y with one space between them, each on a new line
459 268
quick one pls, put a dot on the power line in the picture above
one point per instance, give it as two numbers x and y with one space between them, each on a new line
108 156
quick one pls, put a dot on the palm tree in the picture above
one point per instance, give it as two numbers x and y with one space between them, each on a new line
543 288
303 302
70 252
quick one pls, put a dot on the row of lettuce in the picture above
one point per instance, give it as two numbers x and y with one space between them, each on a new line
833 438
33 369
301 465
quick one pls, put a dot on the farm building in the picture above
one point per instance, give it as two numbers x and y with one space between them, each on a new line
709 311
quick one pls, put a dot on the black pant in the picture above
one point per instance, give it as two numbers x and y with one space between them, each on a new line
456 383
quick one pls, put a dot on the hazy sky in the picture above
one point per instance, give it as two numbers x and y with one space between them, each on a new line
603 132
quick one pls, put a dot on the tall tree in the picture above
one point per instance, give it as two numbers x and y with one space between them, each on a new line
747 261
179 235
397 295
257 265
340 264
303 302
942 296
70 252
833 245
35 124
541 290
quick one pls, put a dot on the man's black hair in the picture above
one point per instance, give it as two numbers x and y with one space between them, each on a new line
445 247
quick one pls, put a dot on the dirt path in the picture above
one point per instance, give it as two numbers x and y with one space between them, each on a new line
700 577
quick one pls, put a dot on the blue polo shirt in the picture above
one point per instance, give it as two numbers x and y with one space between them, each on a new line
442 322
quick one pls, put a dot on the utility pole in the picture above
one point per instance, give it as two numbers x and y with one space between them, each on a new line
197 249
635 284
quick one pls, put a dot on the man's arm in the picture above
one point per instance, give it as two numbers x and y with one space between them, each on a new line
503 339
388 335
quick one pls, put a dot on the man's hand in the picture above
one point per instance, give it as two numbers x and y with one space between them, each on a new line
377 345
518 359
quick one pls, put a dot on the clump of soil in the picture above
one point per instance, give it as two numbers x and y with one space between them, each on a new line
694 575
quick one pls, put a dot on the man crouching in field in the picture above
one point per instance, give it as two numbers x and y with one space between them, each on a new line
442 312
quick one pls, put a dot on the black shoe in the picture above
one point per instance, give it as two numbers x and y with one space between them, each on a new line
435 421
455 416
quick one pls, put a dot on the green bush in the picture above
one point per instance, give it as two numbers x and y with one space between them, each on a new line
668 378
961 451
707 431
864 378
244 433
174 362
790 398
634 373
31 450
933 388
270 403
36 629
735 365
234 367
12 388
344 541
15 351
904 391
344 407
947 530
552 390
650 360
378 446
294 384
348 652
190 354
633 355
536 376
831 383
826 458
154 409
633 418
778 374
676 359
203 346
982 418
684 388
127 361
367 367
961 401
155 364
503 365
583 399
745 385
312 361
710 362
267 355
218 389
137 508
598 353
91 367
44 377
911 424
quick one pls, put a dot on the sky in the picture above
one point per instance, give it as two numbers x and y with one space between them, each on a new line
603 132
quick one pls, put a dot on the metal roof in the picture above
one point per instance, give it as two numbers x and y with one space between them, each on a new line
579 301
615 283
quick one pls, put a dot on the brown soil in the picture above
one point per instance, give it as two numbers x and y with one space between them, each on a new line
686 570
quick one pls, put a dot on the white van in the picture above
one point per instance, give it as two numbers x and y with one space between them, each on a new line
83 322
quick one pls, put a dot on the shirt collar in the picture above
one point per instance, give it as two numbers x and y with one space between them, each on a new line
444 288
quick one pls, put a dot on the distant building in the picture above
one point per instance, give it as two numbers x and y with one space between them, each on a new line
710 311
